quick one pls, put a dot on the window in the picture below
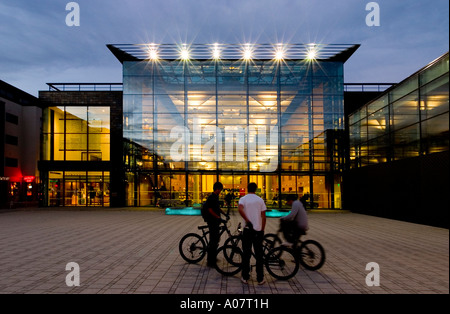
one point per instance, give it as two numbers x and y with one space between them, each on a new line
11 140
11 162
11 118
77 133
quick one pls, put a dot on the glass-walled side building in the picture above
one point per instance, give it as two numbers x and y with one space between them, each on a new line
399 150
76 163
77 133
409 120
200 114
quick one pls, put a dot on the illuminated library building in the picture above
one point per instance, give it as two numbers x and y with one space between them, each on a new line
194 115
186 116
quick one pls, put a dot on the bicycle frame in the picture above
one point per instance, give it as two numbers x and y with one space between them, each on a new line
222 229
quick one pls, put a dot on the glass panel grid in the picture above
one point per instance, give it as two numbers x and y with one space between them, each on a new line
228 116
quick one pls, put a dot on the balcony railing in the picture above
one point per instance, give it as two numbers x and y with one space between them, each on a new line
78 87
367 87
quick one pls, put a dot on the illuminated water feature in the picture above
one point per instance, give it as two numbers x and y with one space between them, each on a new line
191 211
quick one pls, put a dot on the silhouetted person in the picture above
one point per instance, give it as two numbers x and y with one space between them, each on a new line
228 199
211 214
253 209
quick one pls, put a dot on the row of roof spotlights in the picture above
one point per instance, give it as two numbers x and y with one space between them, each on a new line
247 53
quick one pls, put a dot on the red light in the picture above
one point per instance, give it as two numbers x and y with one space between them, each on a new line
28 179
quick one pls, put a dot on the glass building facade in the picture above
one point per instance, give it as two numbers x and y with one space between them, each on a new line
75 163
399 150
205 113
409 120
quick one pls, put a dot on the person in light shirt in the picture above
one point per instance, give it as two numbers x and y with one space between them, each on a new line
253 210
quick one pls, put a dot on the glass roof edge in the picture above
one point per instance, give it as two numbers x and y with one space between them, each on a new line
141 52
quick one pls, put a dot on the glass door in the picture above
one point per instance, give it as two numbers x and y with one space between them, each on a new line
95 185
75 188
234 187
55 188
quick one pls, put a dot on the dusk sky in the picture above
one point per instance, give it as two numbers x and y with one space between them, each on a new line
38 47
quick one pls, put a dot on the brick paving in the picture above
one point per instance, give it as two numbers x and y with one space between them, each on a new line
126 251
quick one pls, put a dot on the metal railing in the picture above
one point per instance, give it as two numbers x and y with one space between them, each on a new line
78 87
367 87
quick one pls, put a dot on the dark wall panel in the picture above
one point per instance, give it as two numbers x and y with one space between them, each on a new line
415 190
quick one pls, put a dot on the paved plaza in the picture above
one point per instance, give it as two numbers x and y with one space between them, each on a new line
136 252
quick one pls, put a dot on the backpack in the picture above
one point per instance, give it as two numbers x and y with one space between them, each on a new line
205 212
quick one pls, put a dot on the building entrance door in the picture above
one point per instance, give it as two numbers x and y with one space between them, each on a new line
235 185
75 188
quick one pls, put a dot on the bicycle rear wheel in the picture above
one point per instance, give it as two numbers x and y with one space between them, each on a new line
281 263
312 255
229 260
192 248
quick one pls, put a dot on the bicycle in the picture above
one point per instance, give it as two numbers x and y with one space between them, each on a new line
193 247
311 253
280 262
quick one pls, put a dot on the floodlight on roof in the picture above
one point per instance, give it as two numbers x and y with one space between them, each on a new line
248 53
279 55
152 52
216 52
312 52
184 53
279 52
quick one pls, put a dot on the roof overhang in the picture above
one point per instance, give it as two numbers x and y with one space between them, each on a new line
321 52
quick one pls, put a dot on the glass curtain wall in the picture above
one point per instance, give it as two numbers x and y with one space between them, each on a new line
74 134
190 123
78 188
409 120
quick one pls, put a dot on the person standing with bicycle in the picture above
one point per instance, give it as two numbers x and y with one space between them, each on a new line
211 214
253 210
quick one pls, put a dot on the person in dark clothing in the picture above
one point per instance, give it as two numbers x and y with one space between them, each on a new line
228 199
212 218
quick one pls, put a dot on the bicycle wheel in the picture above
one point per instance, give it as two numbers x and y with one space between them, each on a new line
235 240
270 241
312 255
229 260
281 263
192 248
